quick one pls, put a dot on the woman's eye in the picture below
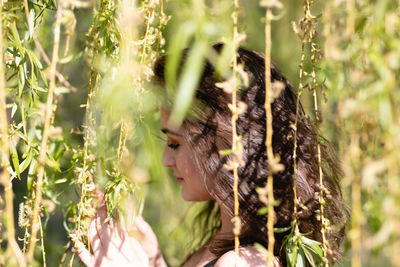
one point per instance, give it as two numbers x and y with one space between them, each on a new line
173 146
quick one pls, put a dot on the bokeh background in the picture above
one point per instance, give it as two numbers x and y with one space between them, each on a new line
360 71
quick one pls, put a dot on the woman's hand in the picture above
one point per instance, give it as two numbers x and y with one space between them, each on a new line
149 243
113 247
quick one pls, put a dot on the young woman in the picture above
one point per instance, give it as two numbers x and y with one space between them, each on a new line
192 151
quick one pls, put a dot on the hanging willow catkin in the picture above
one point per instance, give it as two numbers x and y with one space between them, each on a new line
298 95
85 206
235 138
268 140
315 55
269 98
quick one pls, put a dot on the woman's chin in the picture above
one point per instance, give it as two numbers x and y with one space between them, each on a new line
193 197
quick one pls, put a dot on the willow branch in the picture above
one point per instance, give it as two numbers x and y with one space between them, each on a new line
39 46
43 146
299 92
235 139
355 238
268 140
5 180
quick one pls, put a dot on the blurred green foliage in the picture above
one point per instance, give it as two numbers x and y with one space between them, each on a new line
361 69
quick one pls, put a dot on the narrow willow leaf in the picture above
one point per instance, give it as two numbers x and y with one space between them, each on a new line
31 174
26 162
225 152
31 22
312 244
282 230
61 90
188 82
51 162
310 257
35 60
301 261
41 89
17 40
13 109
32 71
174 54
14 158
223 62
262 211
291 253
61 181
22 135
21 80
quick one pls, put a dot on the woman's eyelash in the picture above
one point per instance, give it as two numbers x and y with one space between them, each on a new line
173 146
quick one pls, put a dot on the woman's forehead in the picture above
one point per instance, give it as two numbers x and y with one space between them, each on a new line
165 127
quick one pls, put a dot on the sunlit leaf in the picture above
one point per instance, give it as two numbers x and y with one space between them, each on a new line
14 158
26 161
188 82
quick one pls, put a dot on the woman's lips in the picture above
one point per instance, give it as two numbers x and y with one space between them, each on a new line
179 180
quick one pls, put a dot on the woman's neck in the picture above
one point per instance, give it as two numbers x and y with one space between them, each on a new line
226 221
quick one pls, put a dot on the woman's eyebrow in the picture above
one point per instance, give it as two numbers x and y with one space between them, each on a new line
165 130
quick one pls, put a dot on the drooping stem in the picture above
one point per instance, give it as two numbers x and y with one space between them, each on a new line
314 59
299 92
45 136
42 243
355 238
84 205
235 139
324 223
5 179
268 140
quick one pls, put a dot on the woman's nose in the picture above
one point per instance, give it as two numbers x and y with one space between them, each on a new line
168 160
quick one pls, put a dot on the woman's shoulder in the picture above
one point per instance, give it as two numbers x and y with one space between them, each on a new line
249 256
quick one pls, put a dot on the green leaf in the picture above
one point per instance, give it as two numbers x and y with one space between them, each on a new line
15 34
13 109
41 89
12 173
14 158
51 162
315 246
27 161
61 181
301 261
22 136
31 174
31 22
291 253
21 80
61 90
175 51
188 82
309 257
282 230
225 152
262 211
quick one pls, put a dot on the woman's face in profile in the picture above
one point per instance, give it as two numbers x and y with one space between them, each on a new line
178 156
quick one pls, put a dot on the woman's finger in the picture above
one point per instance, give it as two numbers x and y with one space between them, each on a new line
94 234
139 251
102 212
84 254
144 228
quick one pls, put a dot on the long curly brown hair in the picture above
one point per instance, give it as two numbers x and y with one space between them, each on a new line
211 132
